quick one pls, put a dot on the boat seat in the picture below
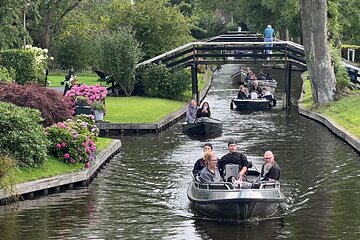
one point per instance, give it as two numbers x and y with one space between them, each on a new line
216 186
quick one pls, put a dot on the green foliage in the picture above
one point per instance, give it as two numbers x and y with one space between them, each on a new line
158 26
98 105
346 15
11 17
208 25
29 64
341 75
7 75
23 62
22 135
119 54
160 82
7 171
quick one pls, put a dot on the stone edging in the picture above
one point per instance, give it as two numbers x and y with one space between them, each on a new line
67 178
329 123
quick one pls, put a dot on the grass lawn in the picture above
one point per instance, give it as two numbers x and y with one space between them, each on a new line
53 166
139 109
345 112
87 79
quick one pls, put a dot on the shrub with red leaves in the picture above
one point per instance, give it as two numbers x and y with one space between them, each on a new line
46 100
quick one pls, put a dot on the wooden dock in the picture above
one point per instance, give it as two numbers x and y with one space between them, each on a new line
57 183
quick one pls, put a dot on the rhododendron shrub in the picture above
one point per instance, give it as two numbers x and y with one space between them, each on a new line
92 93
72 140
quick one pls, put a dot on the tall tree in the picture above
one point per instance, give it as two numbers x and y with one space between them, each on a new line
13 22
52 14
316 45
158 25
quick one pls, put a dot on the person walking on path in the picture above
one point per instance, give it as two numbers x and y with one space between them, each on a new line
269 37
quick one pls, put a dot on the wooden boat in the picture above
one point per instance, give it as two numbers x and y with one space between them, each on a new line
251 104
203 126
229 201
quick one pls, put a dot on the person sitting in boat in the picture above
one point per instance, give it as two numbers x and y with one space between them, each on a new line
261 76
234 157
200 163
270 170
255 87
191 112
266 94
204 111
210 173
242 94
269 77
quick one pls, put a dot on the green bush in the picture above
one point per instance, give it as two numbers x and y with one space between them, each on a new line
341 75
22 135
29 63
159 81
7 75
7 172
119 52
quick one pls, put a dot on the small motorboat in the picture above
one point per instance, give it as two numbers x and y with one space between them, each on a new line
238 77
252 104
236 200
203 126
271 84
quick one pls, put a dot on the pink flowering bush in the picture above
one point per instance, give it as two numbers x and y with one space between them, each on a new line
92 93
72 140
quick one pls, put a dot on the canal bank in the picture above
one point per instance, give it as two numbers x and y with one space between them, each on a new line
332 125
57 183
117 129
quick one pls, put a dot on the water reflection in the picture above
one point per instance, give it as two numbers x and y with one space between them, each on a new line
141 194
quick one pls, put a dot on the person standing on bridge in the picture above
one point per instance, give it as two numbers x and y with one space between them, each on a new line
269 37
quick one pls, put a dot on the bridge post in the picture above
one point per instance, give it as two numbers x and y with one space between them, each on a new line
288 85
194 83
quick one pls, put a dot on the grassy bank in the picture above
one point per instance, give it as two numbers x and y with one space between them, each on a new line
345 112
139 109
54 167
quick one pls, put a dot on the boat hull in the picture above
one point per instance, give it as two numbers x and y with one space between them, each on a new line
238 77
248 104
203 126
236 204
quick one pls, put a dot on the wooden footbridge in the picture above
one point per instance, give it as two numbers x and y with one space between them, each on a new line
235 48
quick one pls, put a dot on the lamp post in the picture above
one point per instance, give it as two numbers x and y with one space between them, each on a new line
24 21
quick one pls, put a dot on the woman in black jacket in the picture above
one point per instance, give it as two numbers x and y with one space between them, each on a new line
204 111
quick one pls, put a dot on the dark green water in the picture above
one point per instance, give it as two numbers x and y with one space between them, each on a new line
141 194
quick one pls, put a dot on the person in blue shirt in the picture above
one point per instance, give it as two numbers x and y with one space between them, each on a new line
269 37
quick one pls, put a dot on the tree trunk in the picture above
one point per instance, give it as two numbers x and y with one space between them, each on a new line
317 52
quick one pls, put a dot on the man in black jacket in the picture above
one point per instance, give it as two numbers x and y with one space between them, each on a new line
234 157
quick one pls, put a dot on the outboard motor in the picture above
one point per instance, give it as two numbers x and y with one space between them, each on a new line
231 170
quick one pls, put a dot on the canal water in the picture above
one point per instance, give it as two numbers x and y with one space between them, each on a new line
141 193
